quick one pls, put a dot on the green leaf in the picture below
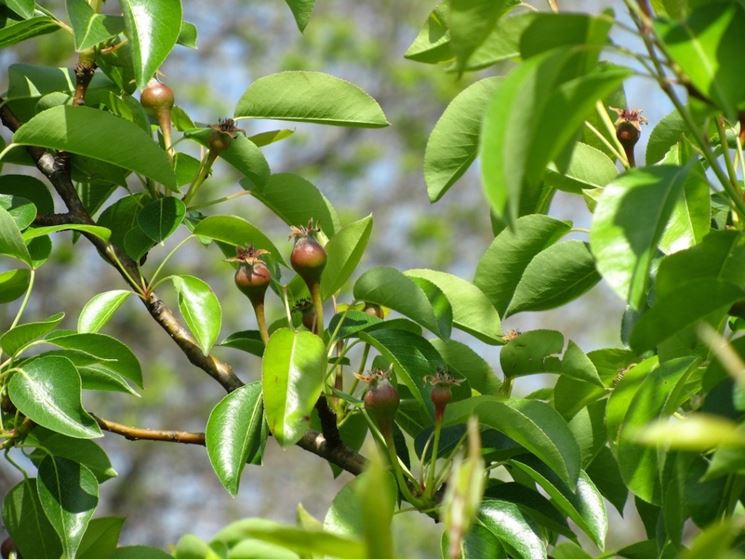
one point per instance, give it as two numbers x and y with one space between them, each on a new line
245 340
101 538
585 505
306 541
472 310
390 288
689 304
20 209
188 35
69 494
24 8
532 352
293 372
17 338
90 28
82 451
310 97
690 220
605 474
200 308
242 153
233 433
270 136
432 43
11 241
13 284
139 552
577 365
111 354
513 530
666 133
24 518
36 232
534 114
530 423
623 394
502 265
465 362
26 29
503 43
344 251
556 275
46 389
588 168
99 309
412 356
705 46
696 432
153 27
295 200
454 142
471 22
237 232
301 10
160 218
86 131
440 305
30 188
629 221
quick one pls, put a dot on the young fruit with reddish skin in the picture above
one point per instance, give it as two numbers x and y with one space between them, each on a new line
308 257
253 278
157 97
441 394
629 129
381 402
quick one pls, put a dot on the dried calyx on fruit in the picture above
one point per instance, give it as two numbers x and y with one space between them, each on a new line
222 135
381 401
628 129
308 257
253 278
442 383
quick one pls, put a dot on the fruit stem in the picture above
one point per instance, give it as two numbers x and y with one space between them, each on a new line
164 121
26 297
430 486
261 321
402 485
204 171
315 295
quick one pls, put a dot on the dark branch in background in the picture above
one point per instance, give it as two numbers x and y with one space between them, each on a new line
57 169
311 441
54 219
328 423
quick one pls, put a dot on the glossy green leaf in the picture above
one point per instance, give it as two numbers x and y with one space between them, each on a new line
588 168
200 308
293 371
237 232
91 28
82 451
465 362
17 338
20 209
24 8
479 542
153 27
690 220
111 354
26 29
624 391
30 188
307 541
576 364
11 241
310 97
269 137
629 221
472 310
301 10
13 284
242 153
95 230
569 550
705 46
390 288
99 309
530 423
513 530
534 114
24 518
666 133
453 144
470 23
532 352
377 505
160 218
690 303
432 43
295 200
657 396
585 505
412 356
440 305
556 275
47 391
502 265
69 494
86 131
344 252
245 340
606 476
233 433
101 538
503 43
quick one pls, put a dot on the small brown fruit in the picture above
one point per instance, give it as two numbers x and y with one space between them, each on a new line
156 97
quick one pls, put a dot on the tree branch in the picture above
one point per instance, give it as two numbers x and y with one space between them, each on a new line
312 441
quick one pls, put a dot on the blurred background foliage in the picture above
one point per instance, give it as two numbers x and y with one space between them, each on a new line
167 490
